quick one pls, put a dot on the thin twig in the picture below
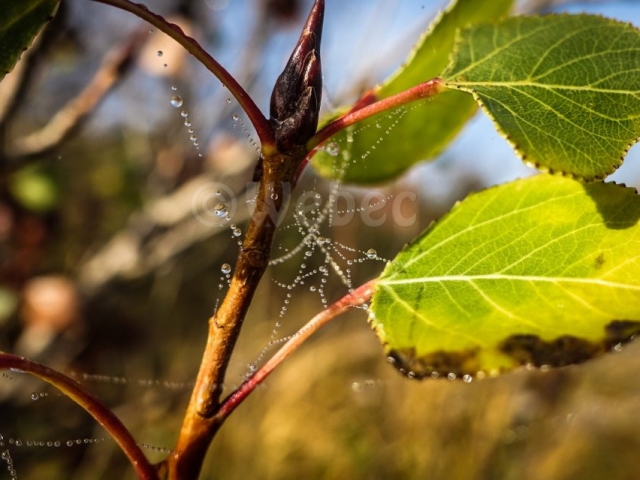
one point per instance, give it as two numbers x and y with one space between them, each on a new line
368 110
91 404
63 123
353 299
419 92
256 117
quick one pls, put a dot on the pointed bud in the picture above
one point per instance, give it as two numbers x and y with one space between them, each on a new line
295 101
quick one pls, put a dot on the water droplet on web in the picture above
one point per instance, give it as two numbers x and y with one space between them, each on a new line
228 100
35 396
176 101
160 52
187 123
235 117
221 210
332 149
225 268
184 114
371 254
174 88
236 232
193 138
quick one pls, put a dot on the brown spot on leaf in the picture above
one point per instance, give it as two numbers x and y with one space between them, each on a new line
599 261
567 349
621 331
564 350
460 363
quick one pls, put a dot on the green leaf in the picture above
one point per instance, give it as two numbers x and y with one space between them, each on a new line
541 271
418 131
564 89
20 22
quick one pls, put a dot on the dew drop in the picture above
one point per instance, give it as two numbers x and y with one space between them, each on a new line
221 210
184 114
235 117
176 101
332 149
228 100
69 443
193 138
236 232
187 123
35 396
225 268
371 254
174 88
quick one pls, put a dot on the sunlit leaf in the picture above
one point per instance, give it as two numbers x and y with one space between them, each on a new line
20 21
564 89
419 131
542 271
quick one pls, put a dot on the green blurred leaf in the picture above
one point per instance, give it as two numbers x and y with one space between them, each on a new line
419 131
542 271
564 89
34 189
20 22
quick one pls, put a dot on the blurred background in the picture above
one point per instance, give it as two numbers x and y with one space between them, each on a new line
116 150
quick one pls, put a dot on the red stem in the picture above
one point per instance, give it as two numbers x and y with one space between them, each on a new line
91 404
260 123
353 299
419 92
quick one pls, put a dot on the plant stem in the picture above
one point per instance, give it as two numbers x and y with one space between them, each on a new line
368 110
200 422
91 404
260 123
355 298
